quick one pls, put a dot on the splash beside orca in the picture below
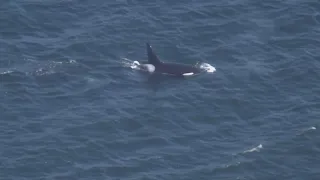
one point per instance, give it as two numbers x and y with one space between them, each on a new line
154 65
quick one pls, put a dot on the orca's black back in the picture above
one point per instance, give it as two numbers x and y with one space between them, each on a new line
176 69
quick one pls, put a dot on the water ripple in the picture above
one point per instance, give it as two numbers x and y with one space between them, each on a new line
70 110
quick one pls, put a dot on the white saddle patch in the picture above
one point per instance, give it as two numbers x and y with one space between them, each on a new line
188 74
207 67
148 67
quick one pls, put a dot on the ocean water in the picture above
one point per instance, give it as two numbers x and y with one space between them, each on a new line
71 106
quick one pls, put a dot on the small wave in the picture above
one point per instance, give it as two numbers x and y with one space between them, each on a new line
307 130
254 149
311 128
42 71
6 72
127 62
51 67
90 79
230 165
37 68
71 61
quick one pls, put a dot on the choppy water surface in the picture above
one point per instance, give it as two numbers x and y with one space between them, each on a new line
72 108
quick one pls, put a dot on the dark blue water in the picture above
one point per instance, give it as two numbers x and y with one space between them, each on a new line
71 109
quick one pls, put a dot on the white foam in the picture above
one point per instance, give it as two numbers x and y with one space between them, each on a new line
207 67
312 128
307 129
136 62
6 72
71 61
129 63
254 149
135 65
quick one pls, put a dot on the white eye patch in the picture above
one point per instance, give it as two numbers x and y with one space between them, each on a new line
188 74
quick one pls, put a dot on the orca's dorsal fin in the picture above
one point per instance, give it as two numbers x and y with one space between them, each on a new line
152 57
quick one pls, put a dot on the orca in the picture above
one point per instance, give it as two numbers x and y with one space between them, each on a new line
155 65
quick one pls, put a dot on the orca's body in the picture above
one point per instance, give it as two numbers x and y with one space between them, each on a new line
154 65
